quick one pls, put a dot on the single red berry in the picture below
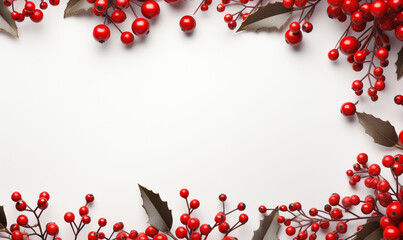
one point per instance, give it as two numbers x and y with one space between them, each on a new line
89 198
378 8
93 235
241 206
290 231
243 218
16 196
133 234
140 26
374 170
220 218
21 205
119 226
367 208
17 235
150 9
288 3
350 6
101 5
86 219
29 6
194 204
187 23
385 221
151 231
336 213
205 229
122 4
220 7
102 222
52 229
232 25
42 203
54 2
262 209
293 38
36 16
181 232
101 33
395 211
43 5
127 38
398 99
184 193
334 199
382 54
295 27
307 27
22 220
222 197
391 233
341 227
349 45
331 236
228 18
69 217
399 32
223 227
348 109
193 223
118 16
362 158
333 54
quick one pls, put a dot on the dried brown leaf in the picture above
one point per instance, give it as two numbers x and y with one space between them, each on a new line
75 7
381 131
159 215
7 24
3 220
270 16
268 228
370 231
399 64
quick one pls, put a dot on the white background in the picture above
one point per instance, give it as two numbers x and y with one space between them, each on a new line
215 112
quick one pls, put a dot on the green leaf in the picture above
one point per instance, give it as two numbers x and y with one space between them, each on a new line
381 131
3 220
7 24
268 228
399 63
159 215
75 7
370 231
270 16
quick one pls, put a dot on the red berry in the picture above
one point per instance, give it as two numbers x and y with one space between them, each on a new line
30 6
367 208
223 227
222 197
294 27
181 232
140 26
394 211
127 38
348 109
36 16
293 38
184 193
150 9
101 33
350 6
382 54
101 5
379 85
307 27
241 206
288 3
205 229
333 54
21 205
187 23
102 222
151 231
374 170
86 219
336 213
194 204
69 217
43 5
122 4
334 199
16 196
349 45
93 236
193 223
118 16
54 2
220 7
22 220
391 233
378 8
399 32
243 218
232 25
42 203
89 198
52 229
220 218
17 235
290 231
228 18
118 226
388 161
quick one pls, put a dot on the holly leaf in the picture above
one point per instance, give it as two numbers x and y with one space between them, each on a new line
159 215
381 131
268 228
399 63
270 16
75 7
370 231
3 220
7 24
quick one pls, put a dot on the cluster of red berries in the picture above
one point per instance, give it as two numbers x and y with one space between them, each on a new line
192 228
30 10
245 10
357 54
18 230
341 211
114 11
